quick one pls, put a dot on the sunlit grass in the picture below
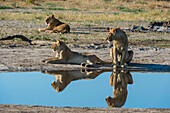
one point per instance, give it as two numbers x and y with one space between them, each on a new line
155 15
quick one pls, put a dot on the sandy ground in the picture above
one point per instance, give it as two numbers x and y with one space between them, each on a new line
45 109
28 58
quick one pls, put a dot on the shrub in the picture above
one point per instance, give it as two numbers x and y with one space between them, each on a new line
30 1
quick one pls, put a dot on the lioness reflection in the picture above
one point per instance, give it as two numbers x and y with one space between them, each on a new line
63 78
119 80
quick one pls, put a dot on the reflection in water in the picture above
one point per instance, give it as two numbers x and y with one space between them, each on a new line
150 90
63 78
119 80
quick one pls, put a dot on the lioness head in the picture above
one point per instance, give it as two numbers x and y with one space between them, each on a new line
50 19
115 102
58 86
111 36
58 46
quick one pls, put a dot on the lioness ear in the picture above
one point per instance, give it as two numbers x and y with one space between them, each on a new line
52 16
58 42
112 30
119 28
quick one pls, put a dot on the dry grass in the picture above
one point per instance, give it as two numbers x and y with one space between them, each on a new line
95 5
69 16
137 10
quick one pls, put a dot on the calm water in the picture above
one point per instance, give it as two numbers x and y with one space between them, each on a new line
148 90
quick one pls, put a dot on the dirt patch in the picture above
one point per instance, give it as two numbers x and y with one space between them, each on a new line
151 42
28 58
42 109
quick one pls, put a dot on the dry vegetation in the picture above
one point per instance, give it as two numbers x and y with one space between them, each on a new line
108 10
21 17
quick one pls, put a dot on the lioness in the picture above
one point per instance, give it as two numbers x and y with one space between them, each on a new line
54 25
119 80
63 78
119 52
65 55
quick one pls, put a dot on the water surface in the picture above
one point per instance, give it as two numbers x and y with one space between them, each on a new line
148 90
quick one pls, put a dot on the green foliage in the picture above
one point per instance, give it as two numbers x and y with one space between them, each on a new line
141 2
75 38
45 37
73 9
39 17
116 13
62 38
34 37
30 1
55 8
106 0
37 8
125 9
5 7
54 40
51 4
26 12
37 38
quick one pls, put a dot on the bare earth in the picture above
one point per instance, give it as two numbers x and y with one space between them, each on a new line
28 58
46 109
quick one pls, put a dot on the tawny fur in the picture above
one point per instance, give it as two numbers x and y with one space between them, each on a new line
119 53
63 78
55 26
119 80
66 56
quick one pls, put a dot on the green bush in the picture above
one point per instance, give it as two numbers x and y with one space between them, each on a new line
5 7
30 1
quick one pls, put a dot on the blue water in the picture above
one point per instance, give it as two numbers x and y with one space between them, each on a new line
149 90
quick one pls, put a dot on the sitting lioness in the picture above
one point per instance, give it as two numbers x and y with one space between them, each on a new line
119 80
66 56
119 52
55 26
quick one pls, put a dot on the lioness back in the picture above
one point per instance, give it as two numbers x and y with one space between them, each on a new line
55 26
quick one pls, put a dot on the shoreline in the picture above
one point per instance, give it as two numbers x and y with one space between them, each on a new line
41 109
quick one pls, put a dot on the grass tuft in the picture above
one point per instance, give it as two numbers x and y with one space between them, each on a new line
5 7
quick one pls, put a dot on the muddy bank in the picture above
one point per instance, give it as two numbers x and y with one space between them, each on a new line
28 57
45 109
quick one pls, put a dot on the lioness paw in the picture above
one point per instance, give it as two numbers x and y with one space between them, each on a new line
122 66
115 66
83 64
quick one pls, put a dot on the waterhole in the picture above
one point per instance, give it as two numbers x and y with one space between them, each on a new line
86 88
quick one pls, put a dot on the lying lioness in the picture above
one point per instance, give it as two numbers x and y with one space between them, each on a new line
55 26
65 55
